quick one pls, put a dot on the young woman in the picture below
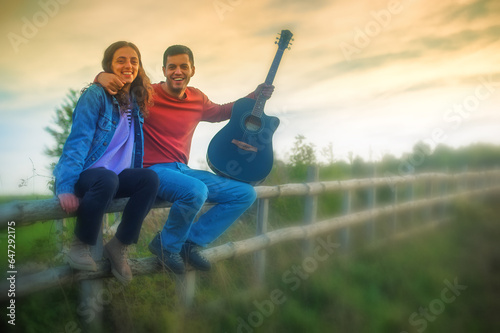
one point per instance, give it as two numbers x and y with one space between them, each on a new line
102 160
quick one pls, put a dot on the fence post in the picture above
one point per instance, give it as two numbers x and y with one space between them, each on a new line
346 209
60 235
443 192
410 193
310 209
260 256
185 286
395 204
429 191
482 184
372 198
465 183
91 291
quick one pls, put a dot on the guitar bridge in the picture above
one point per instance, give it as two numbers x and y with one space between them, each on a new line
244 146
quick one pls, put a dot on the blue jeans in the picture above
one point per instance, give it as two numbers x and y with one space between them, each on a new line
188 189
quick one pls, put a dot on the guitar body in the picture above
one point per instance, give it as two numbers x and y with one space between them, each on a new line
243 149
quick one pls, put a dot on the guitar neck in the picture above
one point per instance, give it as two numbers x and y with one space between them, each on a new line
258 109
274 67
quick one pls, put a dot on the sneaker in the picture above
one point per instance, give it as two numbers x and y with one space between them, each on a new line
116 252
79 256
190 252
169 260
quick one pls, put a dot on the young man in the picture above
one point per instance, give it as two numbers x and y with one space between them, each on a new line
168 132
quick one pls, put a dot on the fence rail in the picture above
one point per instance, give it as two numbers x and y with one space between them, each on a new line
470 184
29 212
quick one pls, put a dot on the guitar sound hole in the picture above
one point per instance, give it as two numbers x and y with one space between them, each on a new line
253 123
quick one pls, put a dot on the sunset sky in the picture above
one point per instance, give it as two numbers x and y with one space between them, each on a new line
367 77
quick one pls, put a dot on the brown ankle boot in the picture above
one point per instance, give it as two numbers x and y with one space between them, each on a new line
79 256
116 252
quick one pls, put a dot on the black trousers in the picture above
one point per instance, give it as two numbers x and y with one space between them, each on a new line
97 187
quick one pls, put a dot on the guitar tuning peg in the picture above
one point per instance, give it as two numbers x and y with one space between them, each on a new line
275 42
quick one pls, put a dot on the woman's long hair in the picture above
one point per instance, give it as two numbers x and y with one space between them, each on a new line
140 88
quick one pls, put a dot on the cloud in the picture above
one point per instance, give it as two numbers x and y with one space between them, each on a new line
460 40
471 11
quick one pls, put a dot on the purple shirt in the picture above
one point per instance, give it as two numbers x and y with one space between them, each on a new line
118 155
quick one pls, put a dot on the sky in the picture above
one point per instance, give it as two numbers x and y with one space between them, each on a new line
364 77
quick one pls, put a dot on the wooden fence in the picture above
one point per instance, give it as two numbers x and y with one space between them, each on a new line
427 193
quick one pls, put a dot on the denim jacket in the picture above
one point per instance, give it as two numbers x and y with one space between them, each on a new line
95 118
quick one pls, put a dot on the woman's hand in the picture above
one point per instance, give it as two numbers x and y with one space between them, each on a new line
69 202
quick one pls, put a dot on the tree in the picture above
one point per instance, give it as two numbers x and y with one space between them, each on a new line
62 124
63 120
302 153
327 153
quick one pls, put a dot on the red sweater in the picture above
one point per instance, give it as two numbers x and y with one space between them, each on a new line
169 128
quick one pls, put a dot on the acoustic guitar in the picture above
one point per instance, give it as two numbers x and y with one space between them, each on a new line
243 149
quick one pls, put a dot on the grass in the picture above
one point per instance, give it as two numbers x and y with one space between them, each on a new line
395 288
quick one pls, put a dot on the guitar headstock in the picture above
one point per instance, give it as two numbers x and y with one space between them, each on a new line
284 39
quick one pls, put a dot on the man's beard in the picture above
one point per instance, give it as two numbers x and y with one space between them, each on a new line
172 88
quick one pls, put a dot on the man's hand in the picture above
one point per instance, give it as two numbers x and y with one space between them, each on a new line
111 82
265 89
69 202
